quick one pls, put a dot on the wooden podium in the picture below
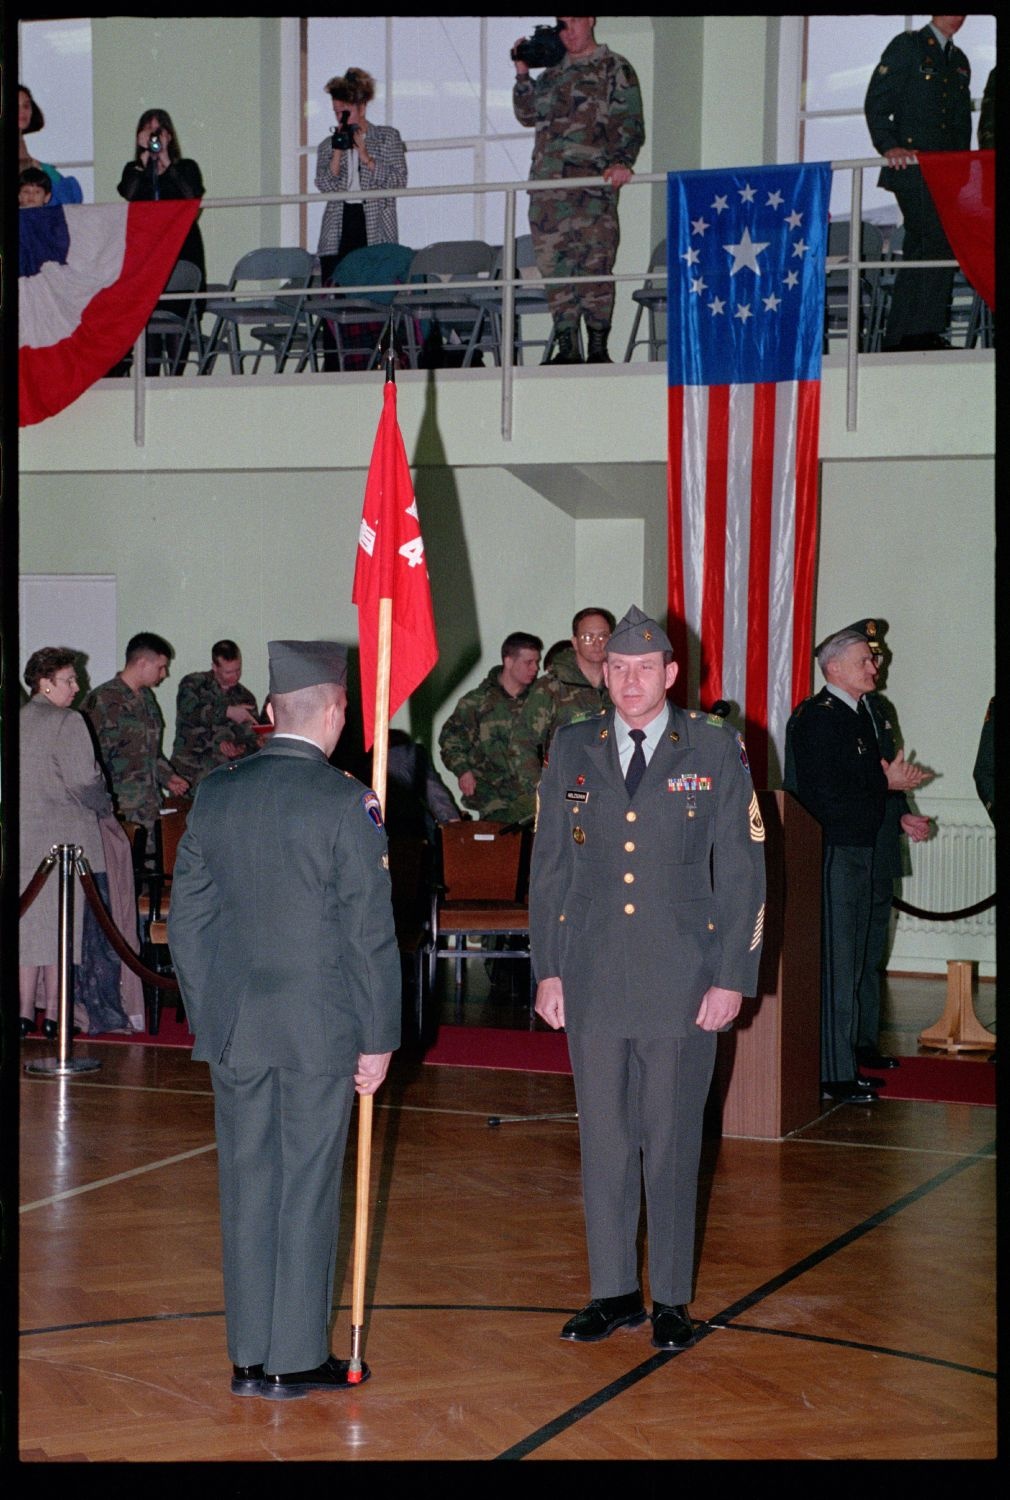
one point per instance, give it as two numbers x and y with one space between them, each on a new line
767 1076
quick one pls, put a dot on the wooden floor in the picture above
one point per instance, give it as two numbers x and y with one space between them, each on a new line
845 1284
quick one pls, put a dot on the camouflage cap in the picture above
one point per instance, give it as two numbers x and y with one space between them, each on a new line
302 664
636 634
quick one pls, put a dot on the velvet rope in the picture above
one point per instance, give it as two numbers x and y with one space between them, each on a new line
113 934
944 916
36 883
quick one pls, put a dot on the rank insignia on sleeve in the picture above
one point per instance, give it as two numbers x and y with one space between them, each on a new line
373 808
757 827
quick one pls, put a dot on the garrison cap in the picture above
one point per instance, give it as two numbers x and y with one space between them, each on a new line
303 664
636 635
874 631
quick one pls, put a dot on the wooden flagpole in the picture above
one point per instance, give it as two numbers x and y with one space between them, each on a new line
380 760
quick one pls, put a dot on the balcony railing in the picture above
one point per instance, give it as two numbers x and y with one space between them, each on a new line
510 282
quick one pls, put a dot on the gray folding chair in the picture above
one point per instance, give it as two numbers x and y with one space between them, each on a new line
650 299
276 323
429 297
530 299
173 333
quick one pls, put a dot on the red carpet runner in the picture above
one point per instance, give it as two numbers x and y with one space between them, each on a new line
939 1080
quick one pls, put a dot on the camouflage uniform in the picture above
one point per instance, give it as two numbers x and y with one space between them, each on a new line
201 724
129 727
478 737
588 116
561 696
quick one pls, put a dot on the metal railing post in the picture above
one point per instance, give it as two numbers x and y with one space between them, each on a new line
508 306
855 273
139 391
63 1063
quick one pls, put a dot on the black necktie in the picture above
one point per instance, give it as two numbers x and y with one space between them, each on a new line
866 720
636 765
947 49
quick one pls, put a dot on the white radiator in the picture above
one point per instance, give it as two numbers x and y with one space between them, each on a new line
955 868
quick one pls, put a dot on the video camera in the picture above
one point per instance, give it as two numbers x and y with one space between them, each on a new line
544 49
343 135
155 143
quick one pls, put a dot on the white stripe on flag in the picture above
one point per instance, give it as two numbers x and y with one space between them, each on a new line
50 304
783 548
736 622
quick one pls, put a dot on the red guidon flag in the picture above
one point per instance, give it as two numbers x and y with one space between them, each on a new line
391 565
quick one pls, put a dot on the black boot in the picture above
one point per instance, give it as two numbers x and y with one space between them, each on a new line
567 348
597 353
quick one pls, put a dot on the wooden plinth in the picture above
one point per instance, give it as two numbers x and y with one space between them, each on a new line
768 1068
959 1029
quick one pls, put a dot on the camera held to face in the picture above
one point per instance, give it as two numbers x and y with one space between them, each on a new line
343 136
155 143
544 49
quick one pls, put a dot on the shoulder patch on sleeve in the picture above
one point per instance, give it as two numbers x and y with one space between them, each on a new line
743 753
370 803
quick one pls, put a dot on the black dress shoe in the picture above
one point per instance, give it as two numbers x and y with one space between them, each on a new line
598 1319
331 1375
26 1026
246 1380
671 1326
851 1091
49 1030
869 1057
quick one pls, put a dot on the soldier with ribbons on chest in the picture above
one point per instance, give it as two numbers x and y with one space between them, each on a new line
646 914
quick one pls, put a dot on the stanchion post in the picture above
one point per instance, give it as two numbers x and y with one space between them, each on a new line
63 1064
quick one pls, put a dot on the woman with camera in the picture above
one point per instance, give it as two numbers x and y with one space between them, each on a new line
357 154
159 170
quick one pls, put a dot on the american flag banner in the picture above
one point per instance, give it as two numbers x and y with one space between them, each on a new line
746 261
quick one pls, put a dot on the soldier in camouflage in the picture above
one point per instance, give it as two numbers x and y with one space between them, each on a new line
214 715
572 688
477 739
587 112
128 724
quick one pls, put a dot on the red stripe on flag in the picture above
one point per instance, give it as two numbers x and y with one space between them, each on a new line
758 578
714 565
808 420
676 603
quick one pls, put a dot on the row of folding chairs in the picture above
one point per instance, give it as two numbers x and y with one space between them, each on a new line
441 312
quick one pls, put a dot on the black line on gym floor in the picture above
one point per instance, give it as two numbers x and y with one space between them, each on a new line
607 1393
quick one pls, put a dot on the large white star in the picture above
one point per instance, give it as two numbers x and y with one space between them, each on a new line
771 303
691 256
747 193
746 253
698 226
800 248
699 285
719 203
743 312
792 278
774 200
716 306
794 220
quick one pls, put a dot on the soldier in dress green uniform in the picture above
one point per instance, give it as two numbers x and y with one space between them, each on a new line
477 738
919 99
127 721
214 715
646 921
587 112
